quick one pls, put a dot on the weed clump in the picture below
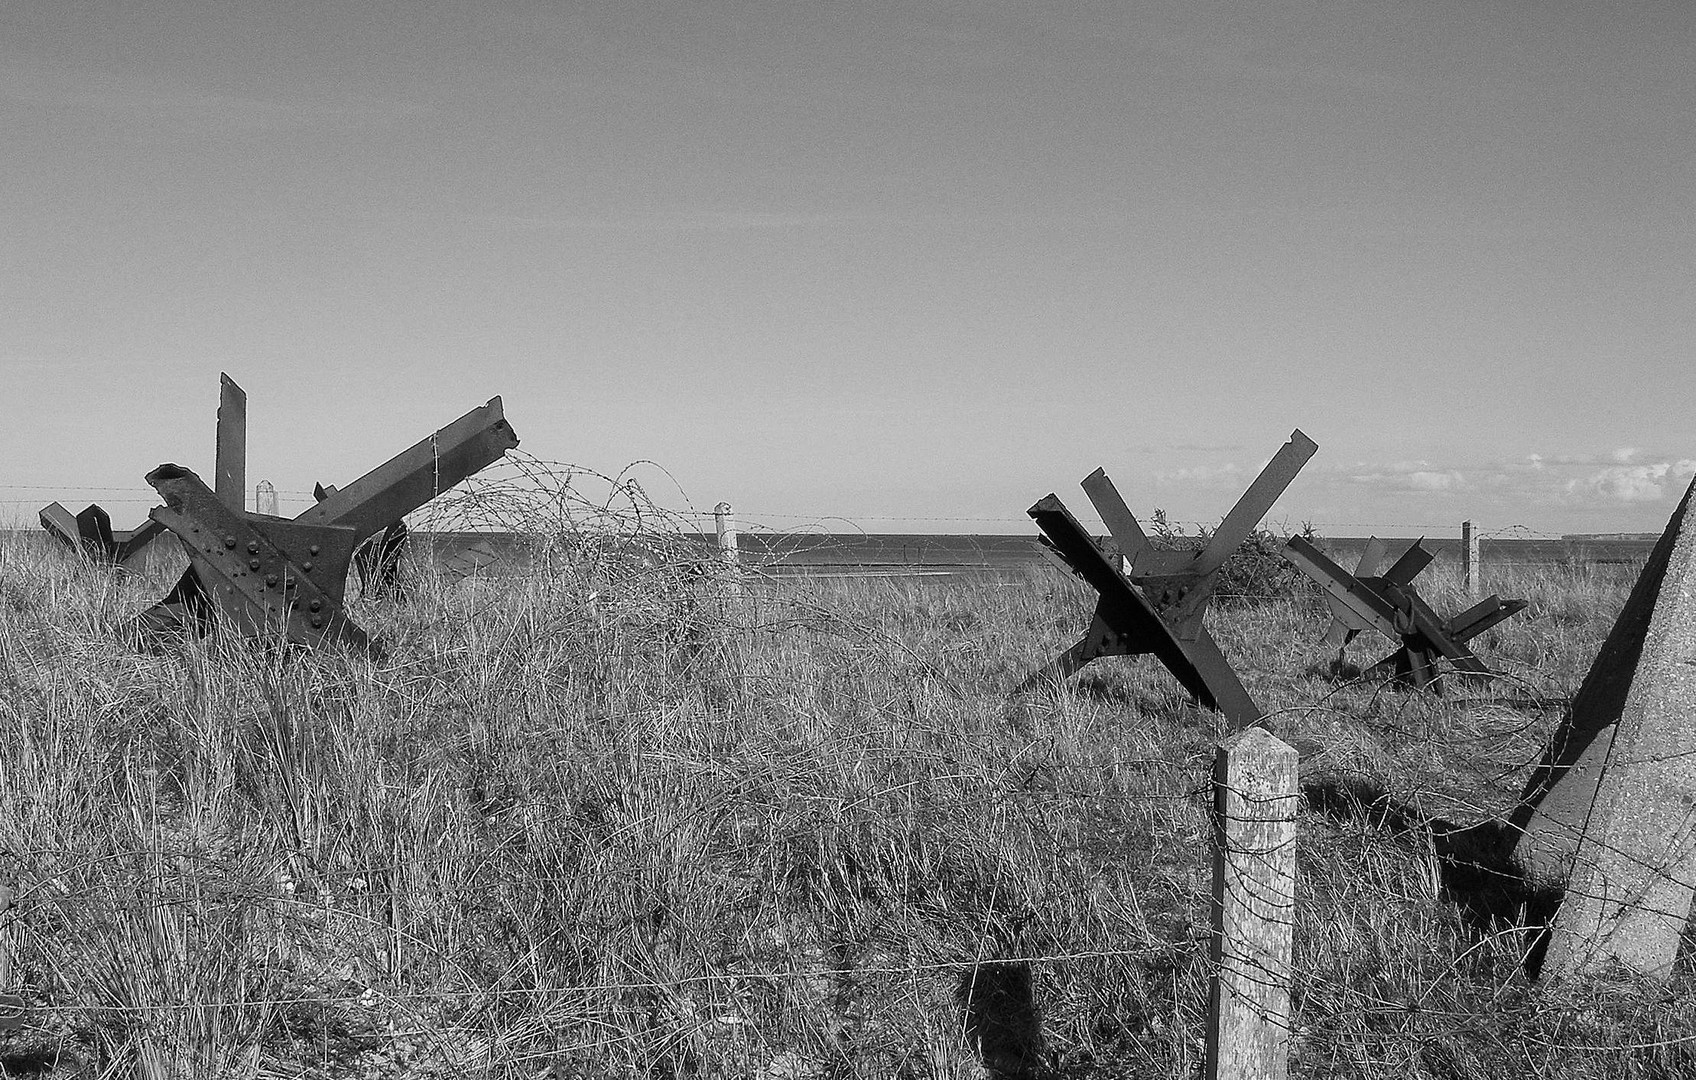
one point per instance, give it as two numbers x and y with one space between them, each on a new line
1255 574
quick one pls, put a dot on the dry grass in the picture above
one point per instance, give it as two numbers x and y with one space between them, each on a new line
595 821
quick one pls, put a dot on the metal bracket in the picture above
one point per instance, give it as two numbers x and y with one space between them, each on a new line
1389 604
378 559
1155 601
273 575
267 577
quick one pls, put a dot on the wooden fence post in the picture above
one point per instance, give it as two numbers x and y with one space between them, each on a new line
1254 866
11 1005
1471 566
732 559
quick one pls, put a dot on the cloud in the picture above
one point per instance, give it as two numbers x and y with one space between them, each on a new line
1631 483
1407 477
1201 474
1425 480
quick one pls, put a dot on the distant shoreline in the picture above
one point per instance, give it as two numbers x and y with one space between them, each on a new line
968 553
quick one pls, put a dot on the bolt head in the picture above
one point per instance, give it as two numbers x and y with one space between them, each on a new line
270 581
253 547
316 604
253 564
306 566
313 550
229 541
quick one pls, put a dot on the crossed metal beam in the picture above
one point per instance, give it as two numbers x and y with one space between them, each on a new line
1390 604
91 532
1153 601
269 575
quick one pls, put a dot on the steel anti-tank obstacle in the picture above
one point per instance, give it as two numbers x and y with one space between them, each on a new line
1154 601
272 575
1390 604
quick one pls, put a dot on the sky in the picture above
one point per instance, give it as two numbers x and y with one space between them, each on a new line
895 267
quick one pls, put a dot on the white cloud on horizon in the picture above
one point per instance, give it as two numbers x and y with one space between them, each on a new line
1627 475
1207 475
1632 483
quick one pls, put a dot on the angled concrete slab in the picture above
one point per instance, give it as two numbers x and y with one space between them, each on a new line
1611 811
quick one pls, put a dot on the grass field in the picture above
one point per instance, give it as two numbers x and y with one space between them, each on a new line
598 821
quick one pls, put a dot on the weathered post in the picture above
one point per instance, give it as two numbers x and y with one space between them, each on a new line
725 518
11 1005
1471 567
265 498
1254 867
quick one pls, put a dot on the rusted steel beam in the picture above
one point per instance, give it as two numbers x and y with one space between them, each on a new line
1121 524
230 464
1255 502
1367 609
1342 629
1410 565
415 476
61 524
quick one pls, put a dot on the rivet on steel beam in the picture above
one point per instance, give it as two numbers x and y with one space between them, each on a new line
306 566
270 581
229 541
313 550
253 547
253 564
316 604
317 621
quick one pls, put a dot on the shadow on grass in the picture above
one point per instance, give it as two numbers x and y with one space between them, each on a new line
1475 864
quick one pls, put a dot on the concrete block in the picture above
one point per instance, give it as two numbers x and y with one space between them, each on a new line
1611 812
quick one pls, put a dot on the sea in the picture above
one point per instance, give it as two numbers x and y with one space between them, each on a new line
890 554
938 555
870 555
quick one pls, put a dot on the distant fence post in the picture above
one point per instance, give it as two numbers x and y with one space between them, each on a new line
1471 566
732 559
5 936
11 1005
265 498
1254 866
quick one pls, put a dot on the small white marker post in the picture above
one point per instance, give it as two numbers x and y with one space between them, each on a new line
265 498
1254 877
1471 566
732 559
